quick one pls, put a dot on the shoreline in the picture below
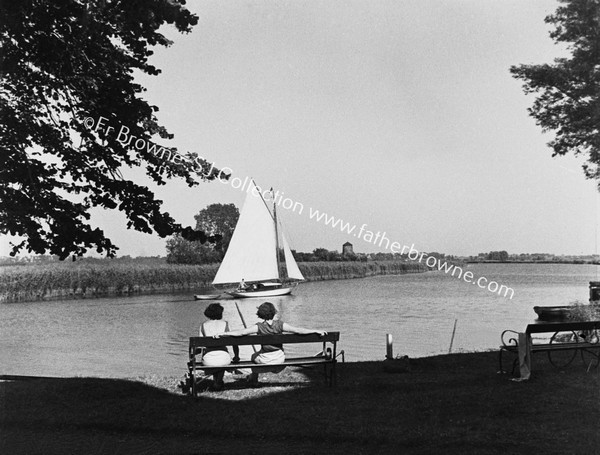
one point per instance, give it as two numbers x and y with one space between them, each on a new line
123 278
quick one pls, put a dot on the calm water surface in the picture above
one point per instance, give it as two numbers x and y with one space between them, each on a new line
128 337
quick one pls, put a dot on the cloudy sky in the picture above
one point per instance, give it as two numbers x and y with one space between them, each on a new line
401 115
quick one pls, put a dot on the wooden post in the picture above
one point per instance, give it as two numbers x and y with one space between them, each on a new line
452 339
389 347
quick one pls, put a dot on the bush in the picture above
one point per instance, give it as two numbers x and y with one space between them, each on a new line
580 311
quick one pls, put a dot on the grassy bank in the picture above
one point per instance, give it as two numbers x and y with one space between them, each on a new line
94 278
455 404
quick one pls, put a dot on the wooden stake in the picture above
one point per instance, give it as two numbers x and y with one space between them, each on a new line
243 322
452 339
241 316
389 346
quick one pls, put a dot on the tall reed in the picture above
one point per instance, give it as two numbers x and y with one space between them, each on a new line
62 279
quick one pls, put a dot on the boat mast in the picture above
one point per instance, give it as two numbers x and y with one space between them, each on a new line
276 236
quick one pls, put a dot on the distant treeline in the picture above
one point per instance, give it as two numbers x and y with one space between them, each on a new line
541 258
194 253
325 255
125 276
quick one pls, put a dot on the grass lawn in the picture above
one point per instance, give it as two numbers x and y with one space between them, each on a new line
453 404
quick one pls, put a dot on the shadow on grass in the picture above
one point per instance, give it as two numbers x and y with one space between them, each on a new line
446 404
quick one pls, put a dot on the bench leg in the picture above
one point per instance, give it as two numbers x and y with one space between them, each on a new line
330 374
515 362
333 374
334 366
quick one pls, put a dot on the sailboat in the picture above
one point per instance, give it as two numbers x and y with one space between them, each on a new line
252 257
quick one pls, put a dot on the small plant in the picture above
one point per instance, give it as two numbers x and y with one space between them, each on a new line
580 311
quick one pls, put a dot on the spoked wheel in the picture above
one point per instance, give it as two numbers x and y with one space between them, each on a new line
562 358
591 356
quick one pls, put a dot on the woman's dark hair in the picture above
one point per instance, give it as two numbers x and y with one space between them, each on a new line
214 311
266 311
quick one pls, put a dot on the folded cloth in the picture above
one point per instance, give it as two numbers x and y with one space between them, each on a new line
524 357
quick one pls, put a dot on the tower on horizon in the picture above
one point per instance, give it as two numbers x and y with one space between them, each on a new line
347 248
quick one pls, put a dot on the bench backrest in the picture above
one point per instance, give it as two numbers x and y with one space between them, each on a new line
284 338
546 327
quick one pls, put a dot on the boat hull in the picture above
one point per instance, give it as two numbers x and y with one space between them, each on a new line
207 296
552 313
261 293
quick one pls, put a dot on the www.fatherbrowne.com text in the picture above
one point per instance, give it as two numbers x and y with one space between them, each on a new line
374 238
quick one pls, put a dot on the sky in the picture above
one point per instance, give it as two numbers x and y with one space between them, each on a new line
401 115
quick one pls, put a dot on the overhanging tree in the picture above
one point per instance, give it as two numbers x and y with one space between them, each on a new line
62 62
568 90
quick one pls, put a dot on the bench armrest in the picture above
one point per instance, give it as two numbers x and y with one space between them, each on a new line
510 338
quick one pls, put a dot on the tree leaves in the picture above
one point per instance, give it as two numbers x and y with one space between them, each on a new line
568 91
60 63
215 224
218 220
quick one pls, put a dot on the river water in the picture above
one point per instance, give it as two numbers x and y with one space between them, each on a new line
143 335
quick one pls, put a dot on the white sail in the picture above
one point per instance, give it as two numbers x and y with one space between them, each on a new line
290 263
251 252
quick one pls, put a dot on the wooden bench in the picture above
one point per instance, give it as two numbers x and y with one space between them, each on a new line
327 356
568 339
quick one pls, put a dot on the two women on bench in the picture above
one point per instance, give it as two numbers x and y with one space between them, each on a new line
268 354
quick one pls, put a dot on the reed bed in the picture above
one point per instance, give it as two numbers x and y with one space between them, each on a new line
319 271
101 277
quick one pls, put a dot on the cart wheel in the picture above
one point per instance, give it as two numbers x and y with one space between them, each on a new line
561 359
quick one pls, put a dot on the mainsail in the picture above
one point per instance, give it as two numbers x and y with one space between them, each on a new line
251 254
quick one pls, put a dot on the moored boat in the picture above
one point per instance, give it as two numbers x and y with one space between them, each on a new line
207 296
552 313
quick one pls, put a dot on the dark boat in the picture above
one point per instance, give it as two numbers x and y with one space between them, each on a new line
552 313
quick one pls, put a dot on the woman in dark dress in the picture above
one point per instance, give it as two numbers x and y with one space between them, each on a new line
268 354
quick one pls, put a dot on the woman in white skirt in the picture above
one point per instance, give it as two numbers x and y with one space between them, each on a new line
217 356
268 354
